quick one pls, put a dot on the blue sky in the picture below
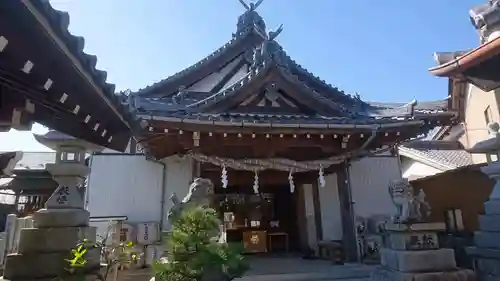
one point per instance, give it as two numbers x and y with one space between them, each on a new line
380 49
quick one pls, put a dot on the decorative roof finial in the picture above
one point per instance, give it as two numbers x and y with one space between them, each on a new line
250 18
486 20
252 6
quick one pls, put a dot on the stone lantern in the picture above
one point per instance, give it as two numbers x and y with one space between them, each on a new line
57 229
486 253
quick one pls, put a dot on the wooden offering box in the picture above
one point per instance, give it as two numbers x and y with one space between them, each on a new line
255 241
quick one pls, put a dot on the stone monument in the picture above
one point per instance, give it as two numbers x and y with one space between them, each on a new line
63 223
486 253
411 249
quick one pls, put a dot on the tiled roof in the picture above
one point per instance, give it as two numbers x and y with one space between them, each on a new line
7 161
35 160
443 155
59 22
336 106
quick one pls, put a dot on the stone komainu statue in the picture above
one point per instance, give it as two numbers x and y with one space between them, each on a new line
200 194
410 207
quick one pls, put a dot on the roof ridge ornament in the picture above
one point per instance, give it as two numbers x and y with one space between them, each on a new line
486 20
252 6
250 18
265 51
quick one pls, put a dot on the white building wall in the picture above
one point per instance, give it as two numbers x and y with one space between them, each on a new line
331 219
125 185
129 185
369 179
179 175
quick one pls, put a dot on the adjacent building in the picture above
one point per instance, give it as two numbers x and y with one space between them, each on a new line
474 79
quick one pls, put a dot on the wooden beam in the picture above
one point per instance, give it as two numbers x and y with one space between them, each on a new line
347 214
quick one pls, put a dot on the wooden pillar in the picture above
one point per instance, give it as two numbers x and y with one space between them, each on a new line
301 217
310 217
196 169
347 214
317 210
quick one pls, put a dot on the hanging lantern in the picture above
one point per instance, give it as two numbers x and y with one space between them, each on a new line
224 177
256 182
290 182
321 177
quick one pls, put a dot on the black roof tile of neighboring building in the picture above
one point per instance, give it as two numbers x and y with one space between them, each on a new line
446 153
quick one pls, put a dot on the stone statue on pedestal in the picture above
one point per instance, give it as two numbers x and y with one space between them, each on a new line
199 194
410 207
411 249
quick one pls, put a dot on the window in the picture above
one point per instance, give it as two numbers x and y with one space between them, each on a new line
487 115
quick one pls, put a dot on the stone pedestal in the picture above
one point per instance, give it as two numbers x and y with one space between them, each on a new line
486 253
44 249
412 252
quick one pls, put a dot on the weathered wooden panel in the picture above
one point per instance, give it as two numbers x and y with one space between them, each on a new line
331 221
369 178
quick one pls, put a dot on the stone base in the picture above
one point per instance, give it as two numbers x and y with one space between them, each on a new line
483 253
418 261
383 274
422 226
90 277
45 218
54 239
44 265
488 267
412 241
492 207
489 223
485 239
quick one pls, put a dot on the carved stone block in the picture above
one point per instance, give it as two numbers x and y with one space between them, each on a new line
413 241
65 197
418 261
44 265
423 226
53 239
45 218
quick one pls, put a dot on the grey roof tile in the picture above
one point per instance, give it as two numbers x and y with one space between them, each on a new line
35 160
445 154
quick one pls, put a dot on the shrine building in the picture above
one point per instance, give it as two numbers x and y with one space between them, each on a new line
284 148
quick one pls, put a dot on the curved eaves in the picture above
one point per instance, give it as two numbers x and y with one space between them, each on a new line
335 108
205 61
300 69
59 22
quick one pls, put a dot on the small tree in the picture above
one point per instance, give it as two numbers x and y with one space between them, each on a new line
193 254
114 255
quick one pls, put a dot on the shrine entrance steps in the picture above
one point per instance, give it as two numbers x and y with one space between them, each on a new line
288 268
284 269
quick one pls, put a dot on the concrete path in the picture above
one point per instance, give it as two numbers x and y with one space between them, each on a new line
297 269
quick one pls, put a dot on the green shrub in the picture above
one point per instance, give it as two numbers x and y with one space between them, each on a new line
193 254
